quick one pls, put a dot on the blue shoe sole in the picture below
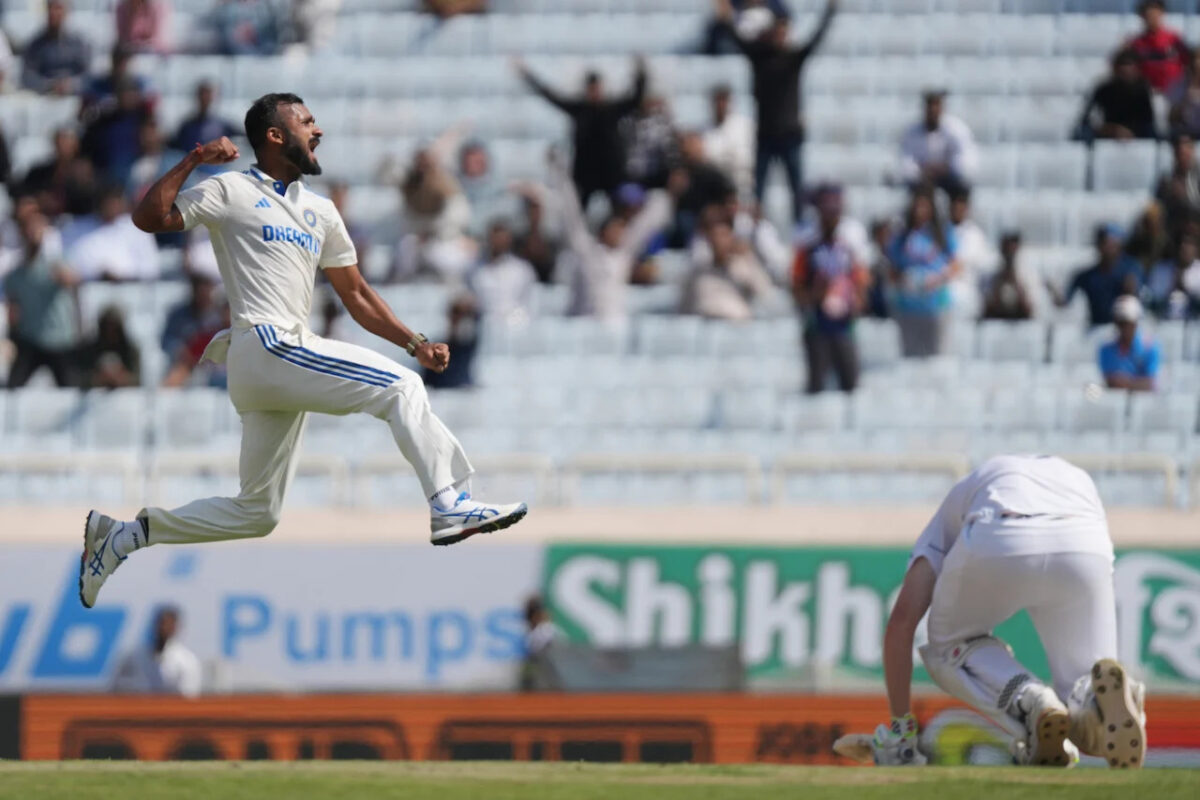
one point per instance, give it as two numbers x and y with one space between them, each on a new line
491 526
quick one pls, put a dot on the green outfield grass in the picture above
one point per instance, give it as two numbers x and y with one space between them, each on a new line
516 781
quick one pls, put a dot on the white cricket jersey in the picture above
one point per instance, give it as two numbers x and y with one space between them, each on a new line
1019 505
269 239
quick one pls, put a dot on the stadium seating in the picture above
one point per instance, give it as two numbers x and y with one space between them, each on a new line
661 384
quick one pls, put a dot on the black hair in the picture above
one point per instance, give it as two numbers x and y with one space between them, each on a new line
1145 5
264 114
961 193
722 90
925 192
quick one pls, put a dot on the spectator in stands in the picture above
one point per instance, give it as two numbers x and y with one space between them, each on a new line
436 216
881 269
197 313
1179 189
706 186
1172 289
650 142
1131 361
203 125
339 195
603 264
1150 241
462 334
1112 275
729 143
144 26
114 249
5 161
729 286
153 159
100 92
247 27
199 258
112 142
477 178
43 318
1006 296
924 256
1184 97
1121 106
777 68
161 665
829 285
452 8
110 360
314 23
939 150
1161 52
56 60
64 183
750 19
190 367
599 151
503 283
975 254
7 60
535 244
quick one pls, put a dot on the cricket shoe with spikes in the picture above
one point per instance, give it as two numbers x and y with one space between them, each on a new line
99 560
1108 716
1047 723
468 517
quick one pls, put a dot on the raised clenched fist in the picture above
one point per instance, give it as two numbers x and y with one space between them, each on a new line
218 151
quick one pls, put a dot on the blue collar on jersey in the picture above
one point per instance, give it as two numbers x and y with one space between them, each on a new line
279 186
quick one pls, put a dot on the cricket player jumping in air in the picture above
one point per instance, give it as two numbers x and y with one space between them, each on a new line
271 233
1019 533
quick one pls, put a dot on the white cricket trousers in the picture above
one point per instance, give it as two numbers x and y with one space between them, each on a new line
275 378
1069 597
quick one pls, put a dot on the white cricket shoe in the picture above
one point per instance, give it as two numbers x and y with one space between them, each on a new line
1047 723
1119 703
468 517
99 560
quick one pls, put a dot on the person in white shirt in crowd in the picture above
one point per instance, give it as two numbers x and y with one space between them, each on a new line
503 283
436 216
1020 533
113 249
939 150
729 143
732 284
161 665
976 256
751 229
602 264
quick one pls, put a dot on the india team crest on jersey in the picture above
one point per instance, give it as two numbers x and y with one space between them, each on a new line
310 217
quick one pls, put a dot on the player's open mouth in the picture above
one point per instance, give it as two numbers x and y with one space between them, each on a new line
312 145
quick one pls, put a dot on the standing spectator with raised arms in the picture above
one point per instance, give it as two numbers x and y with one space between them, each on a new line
599 165
777 67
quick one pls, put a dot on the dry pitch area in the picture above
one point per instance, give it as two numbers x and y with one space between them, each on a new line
519 781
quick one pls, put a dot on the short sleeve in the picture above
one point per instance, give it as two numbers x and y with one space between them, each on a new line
1107 360
942 531
338 248
203 204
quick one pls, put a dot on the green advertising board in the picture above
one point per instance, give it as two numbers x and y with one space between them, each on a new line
795 609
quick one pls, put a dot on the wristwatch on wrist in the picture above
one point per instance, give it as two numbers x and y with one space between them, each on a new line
415 342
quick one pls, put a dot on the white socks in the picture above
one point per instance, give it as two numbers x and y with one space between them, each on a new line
131 537
444 499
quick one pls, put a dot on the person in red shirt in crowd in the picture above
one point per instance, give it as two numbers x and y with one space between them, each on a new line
1162 52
